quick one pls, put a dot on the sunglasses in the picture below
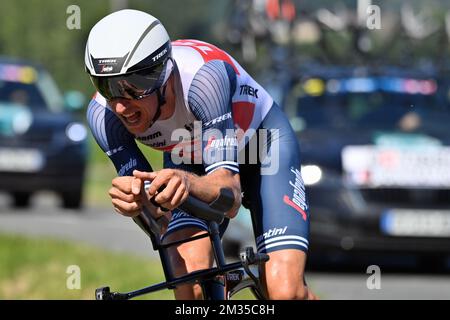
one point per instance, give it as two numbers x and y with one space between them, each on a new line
135 86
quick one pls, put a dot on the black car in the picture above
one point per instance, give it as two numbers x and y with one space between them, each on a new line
42 144
375 146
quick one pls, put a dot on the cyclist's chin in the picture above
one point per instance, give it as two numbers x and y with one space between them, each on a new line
139 127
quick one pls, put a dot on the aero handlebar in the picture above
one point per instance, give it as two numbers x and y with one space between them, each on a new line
214 211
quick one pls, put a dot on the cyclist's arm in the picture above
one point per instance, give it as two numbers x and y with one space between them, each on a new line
209 99
207 187
120 146
179 184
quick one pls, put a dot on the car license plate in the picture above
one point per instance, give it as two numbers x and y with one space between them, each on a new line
21 160
373 166
416 223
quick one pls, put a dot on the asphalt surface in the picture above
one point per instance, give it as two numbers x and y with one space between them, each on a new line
103 228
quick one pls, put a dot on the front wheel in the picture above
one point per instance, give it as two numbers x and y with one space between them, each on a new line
103 293
214 289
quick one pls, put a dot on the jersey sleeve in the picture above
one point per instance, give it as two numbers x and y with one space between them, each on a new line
115 140
209 99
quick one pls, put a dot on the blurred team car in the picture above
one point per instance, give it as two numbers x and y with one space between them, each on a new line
42 145
375 146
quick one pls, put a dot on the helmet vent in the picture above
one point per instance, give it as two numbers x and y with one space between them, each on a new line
150 28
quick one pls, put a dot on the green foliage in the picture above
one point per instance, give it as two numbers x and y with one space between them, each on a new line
37 30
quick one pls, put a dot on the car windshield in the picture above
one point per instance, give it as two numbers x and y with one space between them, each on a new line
366 107
27 87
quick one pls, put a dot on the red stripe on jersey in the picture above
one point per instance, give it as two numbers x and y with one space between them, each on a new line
289 202
207 51
243 112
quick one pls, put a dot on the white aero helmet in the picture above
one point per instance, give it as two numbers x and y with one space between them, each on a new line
128 55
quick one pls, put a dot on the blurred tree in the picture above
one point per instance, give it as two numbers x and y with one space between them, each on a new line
37 30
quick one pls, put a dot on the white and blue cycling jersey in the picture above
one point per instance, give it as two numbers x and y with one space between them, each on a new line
219 108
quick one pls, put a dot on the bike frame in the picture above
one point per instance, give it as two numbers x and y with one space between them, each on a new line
218 283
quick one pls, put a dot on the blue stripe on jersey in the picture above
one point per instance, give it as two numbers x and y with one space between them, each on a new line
209 98
96 117
231 165
231 76
108 130
209 95
115 140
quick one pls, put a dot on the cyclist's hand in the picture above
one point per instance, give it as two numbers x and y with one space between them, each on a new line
126 195
176 190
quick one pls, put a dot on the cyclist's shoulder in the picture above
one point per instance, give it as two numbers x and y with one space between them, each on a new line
98 109
98 100
195 44
191 55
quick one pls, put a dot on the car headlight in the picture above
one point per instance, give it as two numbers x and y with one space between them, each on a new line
22 121
76 132
311 174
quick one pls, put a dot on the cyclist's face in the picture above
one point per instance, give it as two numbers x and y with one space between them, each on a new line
136 115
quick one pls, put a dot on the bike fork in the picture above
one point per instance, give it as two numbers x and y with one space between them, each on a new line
213 289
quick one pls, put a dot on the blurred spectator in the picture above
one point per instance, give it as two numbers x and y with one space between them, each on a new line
410 121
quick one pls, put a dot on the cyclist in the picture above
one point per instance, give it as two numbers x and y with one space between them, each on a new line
156 91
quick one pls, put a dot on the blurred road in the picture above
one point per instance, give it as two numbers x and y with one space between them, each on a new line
103 228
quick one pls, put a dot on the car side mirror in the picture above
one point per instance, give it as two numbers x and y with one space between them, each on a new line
74 100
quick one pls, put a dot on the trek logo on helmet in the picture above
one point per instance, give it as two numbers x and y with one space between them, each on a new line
159 55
